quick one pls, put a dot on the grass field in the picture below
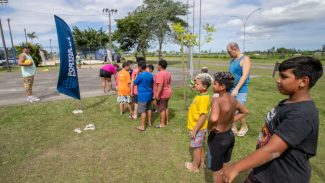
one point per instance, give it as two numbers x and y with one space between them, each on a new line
38 144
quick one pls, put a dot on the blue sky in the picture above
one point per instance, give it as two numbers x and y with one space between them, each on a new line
281 23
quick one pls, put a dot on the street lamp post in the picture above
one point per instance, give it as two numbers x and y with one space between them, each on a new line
244 23
110 12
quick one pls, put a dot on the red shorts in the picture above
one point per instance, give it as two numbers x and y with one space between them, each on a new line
162 104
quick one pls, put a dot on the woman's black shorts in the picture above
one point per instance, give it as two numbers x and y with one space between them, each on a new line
105 74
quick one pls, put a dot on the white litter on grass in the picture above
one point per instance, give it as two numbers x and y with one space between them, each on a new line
77 111
77 130
90 126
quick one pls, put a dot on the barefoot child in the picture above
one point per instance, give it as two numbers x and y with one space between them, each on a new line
221 139
197 121
289 137
144 82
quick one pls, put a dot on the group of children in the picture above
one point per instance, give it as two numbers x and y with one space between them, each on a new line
287 140
145 91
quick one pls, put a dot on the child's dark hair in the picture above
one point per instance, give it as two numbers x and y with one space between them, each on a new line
150 66
163 63
126 64
139 59
142 64
117 66
225 78
205 79
304 66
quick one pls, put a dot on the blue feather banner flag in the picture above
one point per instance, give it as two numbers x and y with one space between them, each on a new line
68 83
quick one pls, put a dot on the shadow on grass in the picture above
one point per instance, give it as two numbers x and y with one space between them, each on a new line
155 116
97 103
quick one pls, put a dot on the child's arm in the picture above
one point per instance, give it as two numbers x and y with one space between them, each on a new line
242 111
159 88
214 115
273 149
198 126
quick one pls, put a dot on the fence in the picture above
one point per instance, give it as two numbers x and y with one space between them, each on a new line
52 54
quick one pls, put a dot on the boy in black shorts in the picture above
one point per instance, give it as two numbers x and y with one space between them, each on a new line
221 139
289 137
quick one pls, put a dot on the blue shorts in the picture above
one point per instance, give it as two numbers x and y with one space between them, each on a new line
242 98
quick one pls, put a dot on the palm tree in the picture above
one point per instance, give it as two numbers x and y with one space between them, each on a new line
31 36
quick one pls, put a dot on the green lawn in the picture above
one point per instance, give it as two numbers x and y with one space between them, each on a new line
37 142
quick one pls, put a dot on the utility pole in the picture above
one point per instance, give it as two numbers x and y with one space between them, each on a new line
4 47
200 22
110 12
51 45
25 35
51 48
12 42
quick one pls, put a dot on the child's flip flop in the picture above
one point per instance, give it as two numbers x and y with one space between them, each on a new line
189 166
140 129
242 132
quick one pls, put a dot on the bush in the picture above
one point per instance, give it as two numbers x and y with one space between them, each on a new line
34 52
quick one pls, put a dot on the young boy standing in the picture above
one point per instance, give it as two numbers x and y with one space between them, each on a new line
150 68
144 81
134 89
221 139
163 92
197 121
289 137
124 88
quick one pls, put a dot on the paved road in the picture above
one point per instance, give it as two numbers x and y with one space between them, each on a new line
12 90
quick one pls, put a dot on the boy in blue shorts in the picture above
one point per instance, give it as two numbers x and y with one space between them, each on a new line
221 139
144 82
197 122
289 137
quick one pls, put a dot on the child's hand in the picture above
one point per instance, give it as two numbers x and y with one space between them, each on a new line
229 173
192 134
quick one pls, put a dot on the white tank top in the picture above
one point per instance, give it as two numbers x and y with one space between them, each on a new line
28 70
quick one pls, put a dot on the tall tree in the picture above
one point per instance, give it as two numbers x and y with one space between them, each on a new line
31 36
162 13
149 23
89 38
133 32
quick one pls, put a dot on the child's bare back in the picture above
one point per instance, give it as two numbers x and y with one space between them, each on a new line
223 108
224 111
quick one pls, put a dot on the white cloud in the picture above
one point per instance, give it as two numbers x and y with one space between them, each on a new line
276 15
